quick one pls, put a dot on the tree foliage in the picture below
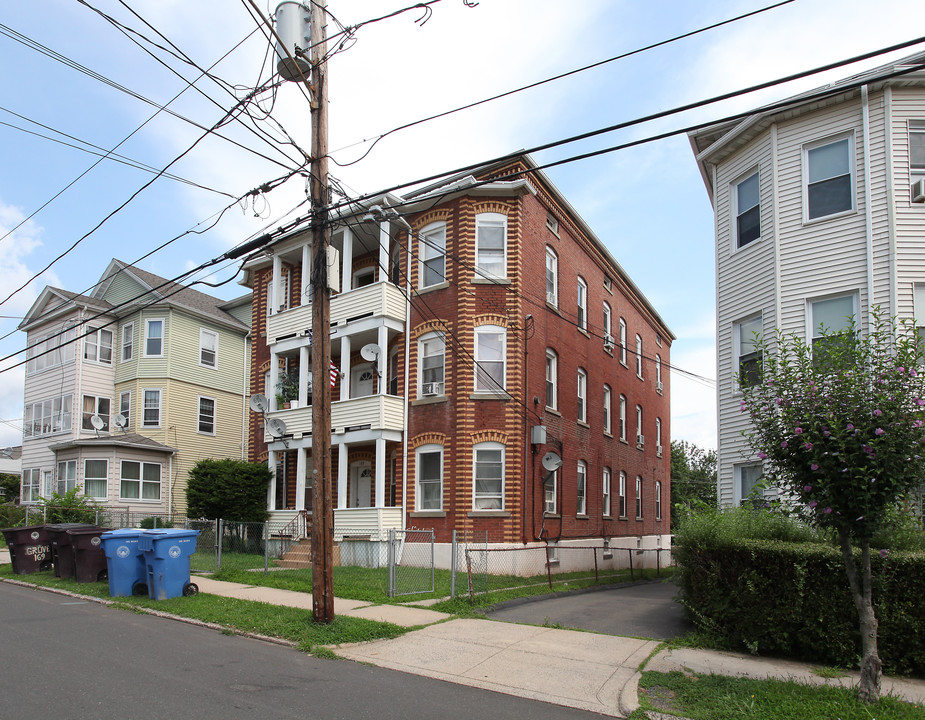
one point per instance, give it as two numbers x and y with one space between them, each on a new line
228 489
839 428
70 507
693 479
10 486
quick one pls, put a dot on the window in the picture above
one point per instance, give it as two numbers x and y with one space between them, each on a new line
552 277
747 477
745 336
658 374
606 488
152 409
206 415
128 342
623 341
125 406
51 351
430 477
658 436
623 418
552 393
282 302
582 396
639 356
581 506
98 345
489 476
47 417
606 321
831 321
658 499
94 405
491 245
208 348
31 485
582 296
96 478
622 495
638 497
140 481
607 403
432 352
918 311
552 223
433 255
639 437
828 178
550 483
917 147
748 211
67 476
490 354
154 338
393 371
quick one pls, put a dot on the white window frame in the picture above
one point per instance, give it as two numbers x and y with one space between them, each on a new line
659 388
95 339
739 212
607 323
127 352
90 478
639 356
552 277
811 329
622 495
149 338
123 410
743 344
45 352
143 484
658 436
432 250
581 488
204 336
552 379
605 492
608 402
106 417
639 497
49 416
430 346
483 256
623 342
639 424
146 407
738 496
658 499
67 468
30 486
808 149
623 417
581 296
581 393
917 129
420 480
485 381
483 500
550 492
199 417
284 299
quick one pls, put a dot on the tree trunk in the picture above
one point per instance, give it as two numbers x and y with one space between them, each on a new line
871 667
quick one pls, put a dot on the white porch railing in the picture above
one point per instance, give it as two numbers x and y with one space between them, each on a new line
373 523
379 412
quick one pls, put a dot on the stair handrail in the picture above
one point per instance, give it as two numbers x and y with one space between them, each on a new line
293 531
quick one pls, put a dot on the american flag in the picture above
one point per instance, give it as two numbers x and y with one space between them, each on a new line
335 373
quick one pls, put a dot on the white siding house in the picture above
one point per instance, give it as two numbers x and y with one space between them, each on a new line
816 220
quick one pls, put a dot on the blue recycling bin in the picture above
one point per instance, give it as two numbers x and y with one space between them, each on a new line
167 562
125 561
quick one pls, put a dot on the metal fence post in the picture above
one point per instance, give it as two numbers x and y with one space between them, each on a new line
391 561
433 572
453 549
218 544
266 547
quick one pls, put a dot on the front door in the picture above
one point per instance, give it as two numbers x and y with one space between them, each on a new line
362 380
361 485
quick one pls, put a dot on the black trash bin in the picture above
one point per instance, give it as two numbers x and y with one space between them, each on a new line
30 548
89 558
61 554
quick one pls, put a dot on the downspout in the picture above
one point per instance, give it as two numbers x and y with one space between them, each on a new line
868 210
170 488
244 405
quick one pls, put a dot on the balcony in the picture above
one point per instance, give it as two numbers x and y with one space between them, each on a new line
377 412
381 300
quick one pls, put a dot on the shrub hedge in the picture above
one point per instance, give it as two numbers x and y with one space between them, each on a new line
791 599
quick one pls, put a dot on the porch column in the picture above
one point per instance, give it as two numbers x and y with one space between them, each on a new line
271 491
382 271
306 295
277 282
382 362
342 470
274 379
380 472
300 479
304 374
345 367
346 273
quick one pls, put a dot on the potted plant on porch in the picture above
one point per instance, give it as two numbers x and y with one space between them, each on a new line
287 389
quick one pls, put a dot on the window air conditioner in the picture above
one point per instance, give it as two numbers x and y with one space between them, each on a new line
608 342
659 386
640 440
918 191
432 388
658 450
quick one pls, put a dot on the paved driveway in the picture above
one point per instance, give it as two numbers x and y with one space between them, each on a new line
640 610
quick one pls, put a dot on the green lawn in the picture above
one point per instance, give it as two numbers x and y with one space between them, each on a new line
716 697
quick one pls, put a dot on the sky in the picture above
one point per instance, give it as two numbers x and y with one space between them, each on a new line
647 204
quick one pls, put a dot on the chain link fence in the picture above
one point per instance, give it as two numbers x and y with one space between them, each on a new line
411 562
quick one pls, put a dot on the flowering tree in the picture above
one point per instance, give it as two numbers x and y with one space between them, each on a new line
839 427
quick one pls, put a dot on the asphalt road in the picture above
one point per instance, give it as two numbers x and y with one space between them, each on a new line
63 658
641 610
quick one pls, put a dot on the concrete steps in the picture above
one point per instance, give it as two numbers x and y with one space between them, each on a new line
299 555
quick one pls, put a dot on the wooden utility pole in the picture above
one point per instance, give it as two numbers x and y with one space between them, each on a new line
323 514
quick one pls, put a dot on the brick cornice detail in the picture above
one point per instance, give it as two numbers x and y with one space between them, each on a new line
432 438
436 215
499 320
489 436
435 325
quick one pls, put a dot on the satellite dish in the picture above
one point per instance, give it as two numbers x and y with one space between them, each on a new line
259 403
97 422
276 427
120 421
7 452
370 352
551 462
